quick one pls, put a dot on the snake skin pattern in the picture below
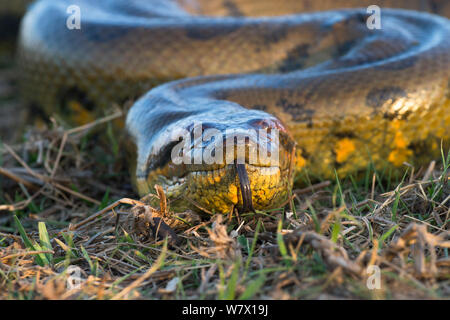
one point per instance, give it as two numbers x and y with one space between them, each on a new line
342 96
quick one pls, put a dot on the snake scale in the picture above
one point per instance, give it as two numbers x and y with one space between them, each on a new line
331 93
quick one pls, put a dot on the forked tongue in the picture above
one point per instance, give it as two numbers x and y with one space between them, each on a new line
246 191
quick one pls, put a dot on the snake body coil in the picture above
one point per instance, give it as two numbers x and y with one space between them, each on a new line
340 95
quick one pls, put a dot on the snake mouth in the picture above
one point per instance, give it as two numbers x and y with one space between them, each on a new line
221 189
246 190
243 187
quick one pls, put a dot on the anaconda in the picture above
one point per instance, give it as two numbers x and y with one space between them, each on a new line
332 94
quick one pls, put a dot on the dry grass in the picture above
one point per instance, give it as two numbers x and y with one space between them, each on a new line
65 200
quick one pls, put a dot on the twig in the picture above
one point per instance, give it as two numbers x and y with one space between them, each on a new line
26 253
16 178
47 179
78 129
101 212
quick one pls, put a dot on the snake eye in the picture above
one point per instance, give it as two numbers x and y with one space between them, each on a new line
259 123
210 125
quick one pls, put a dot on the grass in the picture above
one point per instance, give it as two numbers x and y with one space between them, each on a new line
66 202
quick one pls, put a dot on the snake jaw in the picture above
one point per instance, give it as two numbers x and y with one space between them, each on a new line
219 189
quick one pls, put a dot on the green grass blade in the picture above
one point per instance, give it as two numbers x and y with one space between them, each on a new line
395 206
252 249
387 234
232 283
41 256
88 259
242 240
336 230
341 194
314 217
45 240
27 241
253 287
282 246
105 200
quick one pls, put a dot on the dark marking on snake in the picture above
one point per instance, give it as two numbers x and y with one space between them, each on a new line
75 94
206 32
343 48
305 154
297 110
400 64
379 96
37 112
274 33
233 10
397 115
158 161
421 148
344 134
100 34
357 18
437 6
259 107
295 58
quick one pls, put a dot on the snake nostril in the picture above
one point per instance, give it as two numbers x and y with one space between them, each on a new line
246 191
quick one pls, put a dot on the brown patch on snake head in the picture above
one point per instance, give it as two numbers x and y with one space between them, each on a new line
377 97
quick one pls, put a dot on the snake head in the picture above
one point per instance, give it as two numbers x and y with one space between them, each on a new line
219 161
